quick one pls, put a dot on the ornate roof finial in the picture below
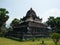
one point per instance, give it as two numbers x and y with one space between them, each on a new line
30 8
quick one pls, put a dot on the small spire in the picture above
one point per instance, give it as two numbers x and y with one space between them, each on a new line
30 8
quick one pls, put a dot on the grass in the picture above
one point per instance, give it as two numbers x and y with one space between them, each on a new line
5 41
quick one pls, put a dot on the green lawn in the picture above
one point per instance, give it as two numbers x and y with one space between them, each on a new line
5 41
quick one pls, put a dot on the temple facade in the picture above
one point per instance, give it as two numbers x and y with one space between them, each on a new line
31 26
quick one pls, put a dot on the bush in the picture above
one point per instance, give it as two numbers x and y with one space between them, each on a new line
33 39
1 34
55 37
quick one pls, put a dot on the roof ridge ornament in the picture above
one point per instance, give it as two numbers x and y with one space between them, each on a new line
30 8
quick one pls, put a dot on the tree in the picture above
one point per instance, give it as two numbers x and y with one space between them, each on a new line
55 37
3 17
54 23
14 22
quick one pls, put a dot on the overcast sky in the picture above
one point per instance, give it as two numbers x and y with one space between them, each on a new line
43 8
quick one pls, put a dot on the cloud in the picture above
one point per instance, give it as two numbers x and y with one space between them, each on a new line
51 12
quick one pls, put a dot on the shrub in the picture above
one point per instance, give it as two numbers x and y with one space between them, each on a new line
55 37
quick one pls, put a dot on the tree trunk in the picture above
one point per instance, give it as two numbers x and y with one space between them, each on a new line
55 43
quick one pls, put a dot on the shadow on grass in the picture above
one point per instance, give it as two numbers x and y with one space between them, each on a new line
13 38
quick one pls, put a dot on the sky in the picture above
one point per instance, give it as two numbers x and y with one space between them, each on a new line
43 8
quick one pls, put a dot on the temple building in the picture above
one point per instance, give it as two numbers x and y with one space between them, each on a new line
31 26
